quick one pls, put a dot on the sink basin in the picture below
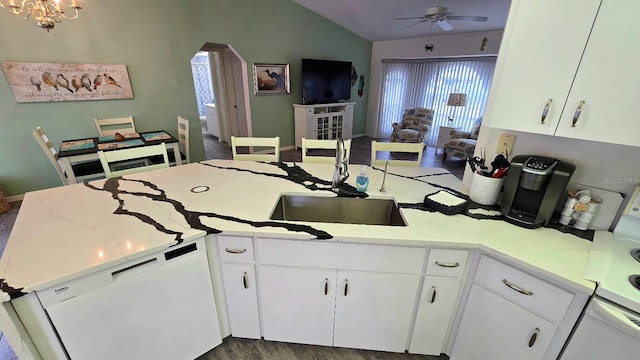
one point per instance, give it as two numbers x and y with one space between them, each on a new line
343 210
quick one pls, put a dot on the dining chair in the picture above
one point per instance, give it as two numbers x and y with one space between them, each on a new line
272 143
111 126
183 138
322 151
109 157
412 153
83 171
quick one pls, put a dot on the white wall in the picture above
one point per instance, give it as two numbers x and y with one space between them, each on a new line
450 45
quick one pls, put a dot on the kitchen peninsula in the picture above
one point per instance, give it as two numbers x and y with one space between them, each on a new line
73 232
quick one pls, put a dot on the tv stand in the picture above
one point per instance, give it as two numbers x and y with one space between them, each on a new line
323 121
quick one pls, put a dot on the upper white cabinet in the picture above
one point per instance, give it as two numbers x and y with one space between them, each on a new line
566 68
323 121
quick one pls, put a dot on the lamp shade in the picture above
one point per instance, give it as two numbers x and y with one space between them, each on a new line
457 99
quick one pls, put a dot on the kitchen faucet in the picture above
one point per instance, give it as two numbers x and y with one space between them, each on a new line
341 172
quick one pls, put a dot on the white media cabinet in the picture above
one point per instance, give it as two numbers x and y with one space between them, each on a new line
323 121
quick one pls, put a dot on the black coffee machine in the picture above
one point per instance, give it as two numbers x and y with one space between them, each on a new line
533 188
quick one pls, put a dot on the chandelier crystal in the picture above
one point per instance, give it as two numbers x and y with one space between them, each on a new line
45 12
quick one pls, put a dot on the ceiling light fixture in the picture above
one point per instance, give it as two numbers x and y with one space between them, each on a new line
45 12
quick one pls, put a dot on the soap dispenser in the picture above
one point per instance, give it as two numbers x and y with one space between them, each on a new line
362 181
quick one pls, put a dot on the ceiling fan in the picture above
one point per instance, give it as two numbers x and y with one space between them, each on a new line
440 16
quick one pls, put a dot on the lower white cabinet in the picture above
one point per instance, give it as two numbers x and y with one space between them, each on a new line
335 307
495 328
240 287
436 308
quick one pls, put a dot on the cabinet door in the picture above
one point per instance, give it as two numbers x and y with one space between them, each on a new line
435 311
297 304
242 300
607 80
495 328
540 52
374 310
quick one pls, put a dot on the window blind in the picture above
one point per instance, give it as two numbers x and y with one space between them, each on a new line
427 83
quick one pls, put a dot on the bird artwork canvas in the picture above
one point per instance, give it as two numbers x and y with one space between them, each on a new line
48 82
271 79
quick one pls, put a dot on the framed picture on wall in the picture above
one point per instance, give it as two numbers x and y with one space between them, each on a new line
271 79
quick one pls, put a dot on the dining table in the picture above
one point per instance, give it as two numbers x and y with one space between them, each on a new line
86 149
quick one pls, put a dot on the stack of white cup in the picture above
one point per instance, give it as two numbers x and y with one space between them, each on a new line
580 207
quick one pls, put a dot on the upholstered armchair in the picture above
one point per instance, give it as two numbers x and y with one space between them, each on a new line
414 127
462 144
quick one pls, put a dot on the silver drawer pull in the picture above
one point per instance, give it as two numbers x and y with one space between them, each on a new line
448 265
576 115
534 337
235 251
517 288
545 111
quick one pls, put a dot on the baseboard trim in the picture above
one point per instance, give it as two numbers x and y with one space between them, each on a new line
15 198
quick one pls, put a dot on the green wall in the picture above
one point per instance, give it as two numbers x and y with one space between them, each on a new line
156 40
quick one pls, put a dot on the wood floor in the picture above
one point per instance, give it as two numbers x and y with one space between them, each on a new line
247 349
360 154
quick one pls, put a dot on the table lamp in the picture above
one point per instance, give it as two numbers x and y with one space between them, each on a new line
456 99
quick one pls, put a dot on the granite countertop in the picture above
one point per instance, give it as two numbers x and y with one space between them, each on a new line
67 232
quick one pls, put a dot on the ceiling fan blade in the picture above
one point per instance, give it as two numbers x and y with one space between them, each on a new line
411 18
467 18
414 24
444 25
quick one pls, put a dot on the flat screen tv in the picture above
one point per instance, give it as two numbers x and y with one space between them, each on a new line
325 81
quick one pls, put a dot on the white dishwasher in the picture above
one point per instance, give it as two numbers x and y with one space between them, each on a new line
156 307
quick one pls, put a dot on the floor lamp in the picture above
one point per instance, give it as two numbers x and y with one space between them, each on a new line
456 100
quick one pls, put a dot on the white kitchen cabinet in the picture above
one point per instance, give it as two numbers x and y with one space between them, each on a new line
513 314
297 304
374 310
435 312
582 57
323 121
495 328
340 308
338 294
240 285
438 301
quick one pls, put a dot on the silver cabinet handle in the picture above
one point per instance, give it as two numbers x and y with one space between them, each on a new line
326 286
545 111
534 337
235 251
346 287
433 295
448 265
245 281
517 288
576 115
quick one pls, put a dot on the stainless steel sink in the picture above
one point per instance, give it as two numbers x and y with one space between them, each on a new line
343 210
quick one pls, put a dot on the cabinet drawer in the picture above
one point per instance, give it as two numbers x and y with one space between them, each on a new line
445 262
524 289
362 257
235 248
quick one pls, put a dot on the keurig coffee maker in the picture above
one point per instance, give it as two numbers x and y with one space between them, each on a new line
532 189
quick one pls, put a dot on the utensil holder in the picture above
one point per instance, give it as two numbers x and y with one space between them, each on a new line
485 190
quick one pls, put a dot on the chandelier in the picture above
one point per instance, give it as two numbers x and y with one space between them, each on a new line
45 12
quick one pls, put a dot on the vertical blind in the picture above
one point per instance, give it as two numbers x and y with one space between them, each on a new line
427 83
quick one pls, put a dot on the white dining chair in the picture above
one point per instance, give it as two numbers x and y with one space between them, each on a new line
322 151
109 157
111 126
413 153
183 139
84 171
272 153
